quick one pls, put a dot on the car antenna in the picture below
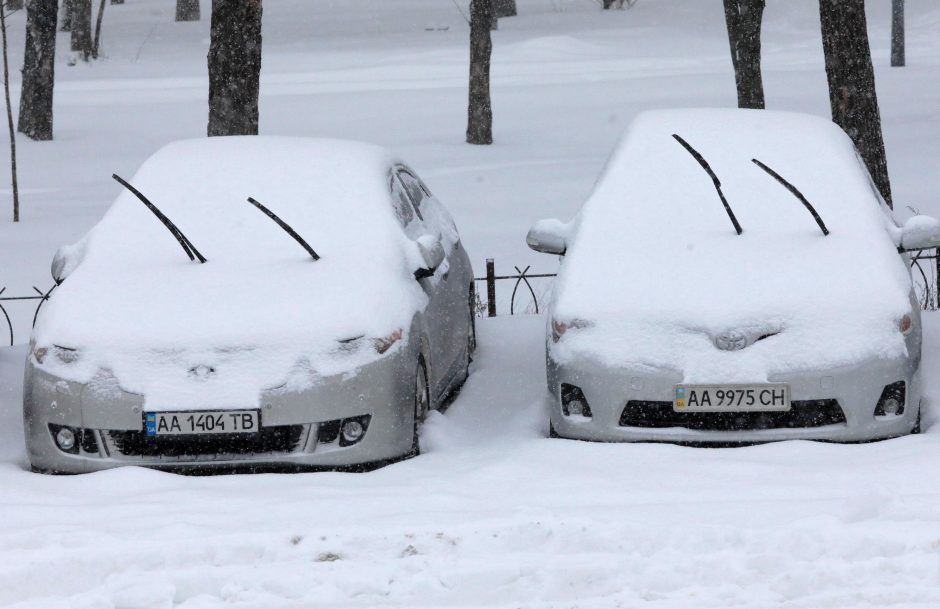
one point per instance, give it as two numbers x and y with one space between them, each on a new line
185 243
796 193
285 226
701 161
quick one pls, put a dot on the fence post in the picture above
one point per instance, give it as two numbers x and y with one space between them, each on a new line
490 288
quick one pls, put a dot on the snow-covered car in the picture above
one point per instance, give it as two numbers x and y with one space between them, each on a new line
252 301
735 276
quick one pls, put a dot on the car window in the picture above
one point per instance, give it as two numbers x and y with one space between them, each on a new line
414 189
882 204
432 213
404 209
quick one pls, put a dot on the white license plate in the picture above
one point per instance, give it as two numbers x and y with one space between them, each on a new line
202 422
767 397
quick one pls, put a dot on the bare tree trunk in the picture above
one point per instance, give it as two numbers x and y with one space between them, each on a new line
81 28
35 120
187 10
96 44
897 33
504 8
66 16
234 67
480 113
744 18
6 93
852 94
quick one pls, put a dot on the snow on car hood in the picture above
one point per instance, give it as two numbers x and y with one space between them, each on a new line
656 272
261 307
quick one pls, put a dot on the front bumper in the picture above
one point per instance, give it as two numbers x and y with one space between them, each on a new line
298 428
856 390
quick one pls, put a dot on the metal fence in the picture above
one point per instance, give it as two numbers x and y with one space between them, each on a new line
521 278
926 277
39 296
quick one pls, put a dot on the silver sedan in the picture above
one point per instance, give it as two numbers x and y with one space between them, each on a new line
734 277
197 326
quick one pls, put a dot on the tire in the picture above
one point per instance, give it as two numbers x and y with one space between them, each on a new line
422 404
472 337
917 425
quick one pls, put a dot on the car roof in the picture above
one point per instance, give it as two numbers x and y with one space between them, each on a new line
810 152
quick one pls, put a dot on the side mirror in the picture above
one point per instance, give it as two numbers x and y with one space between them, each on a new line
432 254
548 237
63 263
920 232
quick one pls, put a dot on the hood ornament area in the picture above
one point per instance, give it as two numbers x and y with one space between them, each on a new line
732 340
201 372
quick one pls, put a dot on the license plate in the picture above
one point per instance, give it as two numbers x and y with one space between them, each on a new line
202 422
767 397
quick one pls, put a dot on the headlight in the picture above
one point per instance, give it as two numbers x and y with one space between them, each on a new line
40 353
906 325
384 344
559 328
64 355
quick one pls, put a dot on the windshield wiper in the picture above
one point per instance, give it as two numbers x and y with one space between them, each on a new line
286 227
701 161
796 193
185 243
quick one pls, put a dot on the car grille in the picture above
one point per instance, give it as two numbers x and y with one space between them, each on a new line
278 439
802 414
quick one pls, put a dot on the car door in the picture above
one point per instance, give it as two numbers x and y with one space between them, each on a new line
453 289
436 311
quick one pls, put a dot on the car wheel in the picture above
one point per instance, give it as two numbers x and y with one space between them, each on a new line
422 404
917 426
551 430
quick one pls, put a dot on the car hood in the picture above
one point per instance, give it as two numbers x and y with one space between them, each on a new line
752 349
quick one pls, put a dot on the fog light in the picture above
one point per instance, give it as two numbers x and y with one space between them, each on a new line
576 408
891 406
891 402
353 431
573 402
65 438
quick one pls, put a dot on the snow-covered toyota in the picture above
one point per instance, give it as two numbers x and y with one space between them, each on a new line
252 301
735 276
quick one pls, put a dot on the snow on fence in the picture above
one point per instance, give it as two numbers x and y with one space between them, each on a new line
40 296
531 289
927 282
521 278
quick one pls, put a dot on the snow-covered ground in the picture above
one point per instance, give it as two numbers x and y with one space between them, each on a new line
494 514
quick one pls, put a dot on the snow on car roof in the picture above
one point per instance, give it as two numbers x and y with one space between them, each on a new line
656 261
135 290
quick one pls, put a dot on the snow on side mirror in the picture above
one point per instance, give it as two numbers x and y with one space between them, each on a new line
65 260
920 232
432 253
548 237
